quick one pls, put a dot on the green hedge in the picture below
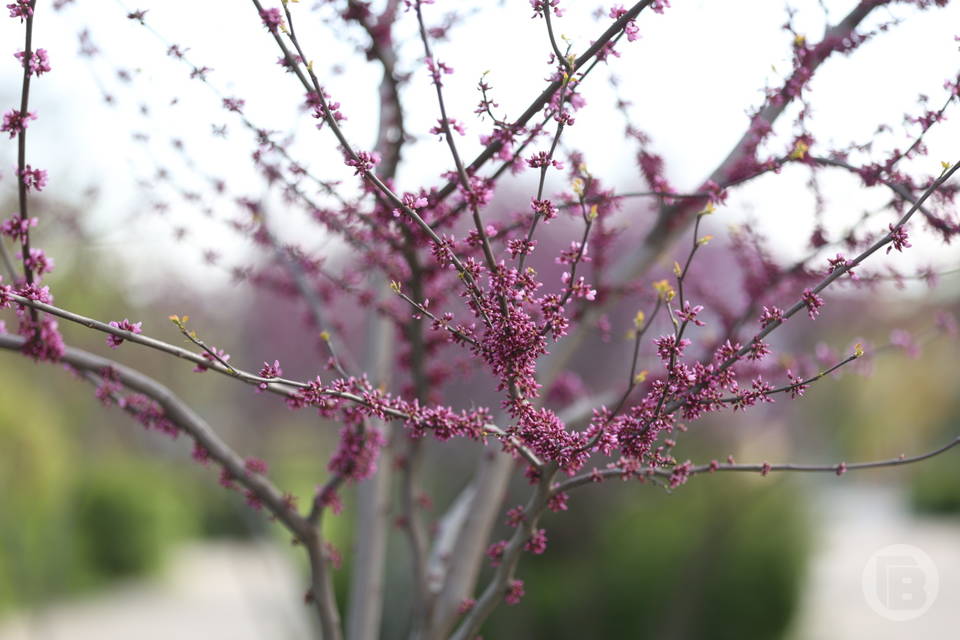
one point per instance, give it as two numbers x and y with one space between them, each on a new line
720 558
935 486
126 516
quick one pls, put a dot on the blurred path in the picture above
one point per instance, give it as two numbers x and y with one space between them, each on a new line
244 591
210 591
856 522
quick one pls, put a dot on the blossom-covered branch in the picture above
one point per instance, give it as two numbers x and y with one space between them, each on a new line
177 417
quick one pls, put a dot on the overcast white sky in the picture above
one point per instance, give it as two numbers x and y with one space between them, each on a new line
691 78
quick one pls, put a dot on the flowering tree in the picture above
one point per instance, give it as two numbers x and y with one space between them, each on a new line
447 273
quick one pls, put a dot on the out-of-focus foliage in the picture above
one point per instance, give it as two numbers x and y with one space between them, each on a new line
125 516
77 510
717 559
935 488
69 527
87 496
33 487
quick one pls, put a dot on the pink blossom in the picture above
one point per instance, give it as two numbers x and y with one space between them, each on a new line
520 247
255 465
454 125
898 238
35 179
411 201
21 9
150 414
680 474
544 209
289 63
329 498
630 28
252 499
813 303
540 5
689 313
39 61
115 341
33 291
17 228
213 355
356 457
659 5
234 104
771 315
269 371
495 552
515 516
14 122
438 70
6 291
537 542
669 348
558 502
200 453
514 592
44 342
227 479
758 350
272 19
542 159
363 163
797 388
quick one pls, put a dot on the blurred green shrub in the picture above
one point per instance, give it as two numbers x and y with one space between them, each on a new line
935 486
74 517
34 486
126 515
80 506
224 514
720 558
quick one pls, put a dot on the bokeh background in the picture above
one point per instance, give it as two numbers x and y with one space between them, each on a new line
107 531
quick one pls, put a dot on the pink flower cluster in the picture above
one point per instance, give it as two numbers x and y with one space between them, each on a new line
21 9
272 19
38 64
14 121
35 179
17 228
114 341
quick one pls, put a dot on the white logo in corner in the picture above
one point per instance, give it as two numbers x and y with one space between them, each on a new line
900 582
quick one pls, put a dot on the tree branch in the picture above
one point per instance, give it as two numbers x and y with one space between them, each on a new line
496 589
470 539
839 468
188 421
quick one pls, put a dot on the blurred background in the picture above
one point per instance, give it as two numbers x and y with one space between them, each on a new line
107 531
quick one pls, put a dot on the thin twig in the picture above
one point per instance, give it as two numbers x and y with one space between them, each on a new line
22 178
538 103
838 468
